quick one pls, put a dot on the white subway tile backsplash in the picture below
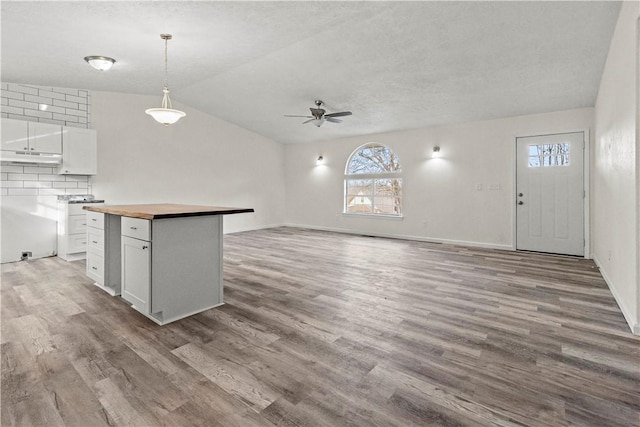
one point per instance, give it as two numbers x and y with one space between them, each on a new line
38 99
36 113
66 107
12 95
51 192
22 89
22 192
68 91
22 177
79 113
37 169
76 178
65 184
80 124
45 177
12 168
50 94
53 122
23 104
65 117
78 99
12 110
54 109
37 184
11 184
65 104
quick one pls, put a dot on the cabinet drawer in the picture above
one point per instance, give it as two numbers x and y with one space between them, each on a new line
75 209
95 238
77 224
95 219
136 228
95 266
77 243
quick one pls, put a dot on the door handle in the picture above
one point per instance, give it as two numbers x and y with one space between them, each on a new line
521 202
520 194
145 247
133 228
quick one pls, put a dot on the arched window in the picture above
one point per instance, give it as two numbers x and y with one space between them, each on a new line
372 181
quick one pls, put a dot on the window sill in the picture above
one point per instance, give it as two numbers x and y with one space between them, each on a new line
376 216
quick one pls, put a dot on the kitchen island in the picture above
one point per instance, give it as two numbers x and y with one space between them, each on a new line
164 259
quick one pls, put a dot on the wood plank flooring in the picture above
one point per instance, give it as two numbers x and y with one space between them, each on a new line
324 329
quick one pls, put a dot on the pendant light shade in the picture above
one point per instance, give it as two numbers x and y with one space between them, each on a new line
165 114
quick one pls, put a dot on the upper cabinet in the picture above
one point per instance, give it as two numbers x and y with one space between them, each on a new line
79 152
19 135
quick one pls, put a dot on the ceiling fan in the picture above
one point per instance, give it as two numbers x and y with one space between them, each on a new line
318 116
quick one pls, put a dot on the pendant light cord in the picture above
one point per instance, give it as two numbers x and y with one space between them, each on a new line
166 64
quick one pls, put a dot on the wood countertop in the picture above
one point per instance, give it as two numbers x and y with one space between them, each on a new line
164 210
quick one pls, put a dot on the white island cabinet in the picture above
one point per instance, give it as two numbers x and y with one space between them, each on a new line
171 257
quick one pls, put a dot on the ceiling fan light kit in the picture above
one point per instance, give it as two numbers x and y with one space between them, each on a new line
165 114
101 63
318 116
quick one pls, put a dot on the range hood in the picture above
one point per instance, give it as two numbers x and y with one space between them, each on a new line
23 157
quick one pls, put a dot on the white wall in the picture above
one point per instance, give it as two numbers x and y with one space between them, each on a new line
615 186
441 202
199 160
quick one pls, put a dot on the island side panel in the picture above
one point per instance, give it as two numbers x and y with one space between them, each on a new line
112 253
186 266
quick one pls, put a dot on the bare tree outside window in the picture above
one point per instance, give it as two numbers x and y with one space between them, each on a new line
372 181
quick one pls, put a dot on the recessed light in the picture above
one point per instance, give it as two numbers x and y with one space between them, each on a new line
102 63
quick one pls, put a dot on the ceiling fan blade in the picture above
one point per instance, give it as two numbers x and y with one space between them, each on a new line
341 114
307 117
310 120
332 120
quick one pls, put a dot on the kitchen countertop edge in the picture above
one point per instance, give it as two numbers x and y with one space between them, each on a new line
121 210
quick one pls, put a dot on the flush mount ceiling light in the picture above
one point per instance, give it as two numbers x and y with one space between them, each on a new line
165 114
102 63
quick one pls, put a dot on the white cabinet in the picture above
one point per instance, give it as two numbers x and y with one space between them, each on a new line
79 152
182 275
33 137
136 273
103 251
72 231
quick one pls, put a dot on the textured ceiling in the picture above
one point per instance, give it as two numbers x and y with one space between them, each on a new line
395 65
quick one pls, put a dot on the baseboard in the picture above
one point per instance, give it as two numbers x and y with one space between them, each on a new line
633 326
406 237
258 227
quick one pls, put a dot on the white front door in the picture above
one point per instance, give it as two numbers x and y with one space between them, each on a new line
550 193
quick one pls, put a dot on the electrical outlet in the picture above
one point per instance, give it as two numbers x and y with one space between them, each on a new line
494 186
478 187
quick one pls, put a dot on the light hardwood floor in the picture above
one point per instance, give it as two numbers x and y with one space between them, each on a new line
330 330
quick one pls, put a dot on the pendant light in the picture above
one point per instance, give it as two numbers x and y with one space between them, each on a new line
165 114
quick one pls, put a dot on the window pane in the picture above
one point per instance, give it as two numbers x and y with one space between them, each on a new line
387 205
358 196
549 155
359 186
373 159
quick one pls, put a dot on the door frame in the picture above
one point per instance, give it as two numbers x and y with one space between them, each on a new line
585 176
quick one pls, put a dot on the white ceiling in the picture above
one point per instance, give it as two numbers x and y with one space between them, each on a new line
395 65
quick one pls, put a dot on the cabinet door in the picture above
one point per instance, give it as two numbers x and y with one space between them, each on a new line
14 135
79 152
45 138
136 273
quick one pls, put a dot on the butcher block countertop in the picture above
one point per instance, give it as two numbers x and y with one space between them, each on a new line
164 210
